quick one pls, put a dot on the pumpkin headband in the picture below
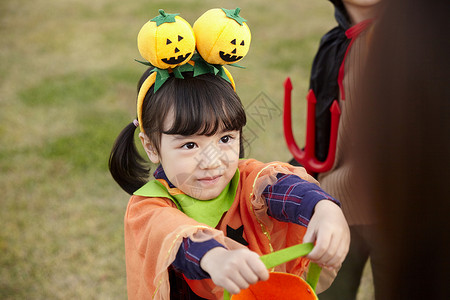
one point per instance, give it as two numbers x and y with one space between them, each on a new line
171 46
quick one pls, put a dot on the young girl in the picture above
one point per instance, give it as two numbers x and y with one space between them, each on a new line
208 215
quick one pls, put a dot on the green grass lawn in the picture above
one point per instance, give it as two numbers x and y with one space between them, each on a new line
68 86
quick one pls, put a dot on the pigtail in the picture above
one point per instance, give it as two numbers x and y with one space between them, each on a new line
128 168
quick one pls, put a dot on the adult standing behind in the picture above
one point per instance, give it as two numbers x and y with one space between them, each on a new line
403 146
336 74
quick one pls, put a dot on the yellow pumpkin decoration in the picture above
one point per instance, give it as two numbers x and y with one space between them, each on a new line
222 36
166 41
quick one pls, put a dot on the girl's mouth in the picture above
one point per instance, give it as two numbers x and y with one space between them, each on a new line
209 180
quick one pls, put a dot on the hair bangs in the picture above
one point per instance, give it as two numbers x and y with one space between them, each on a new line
205 107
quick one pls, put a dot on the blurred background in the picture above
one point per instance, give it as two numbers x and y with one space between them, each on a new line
68 86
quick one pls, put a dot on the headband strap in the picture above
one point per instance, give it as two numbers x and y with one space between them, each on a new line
141 96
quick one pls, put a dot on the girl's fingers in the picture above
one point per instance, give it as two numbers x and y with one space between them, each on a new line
309 235
253 269
231 287
321 247
342 245
259 270
339 257
250 272
262 272
329 253
248 275
333 254
257 267
237 282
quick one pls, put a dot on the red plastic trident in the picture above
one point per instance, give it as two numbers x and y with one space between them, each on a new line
307 156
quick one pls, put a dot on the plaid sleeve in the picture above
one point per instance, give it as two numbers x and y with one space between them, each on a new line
292 199
189 255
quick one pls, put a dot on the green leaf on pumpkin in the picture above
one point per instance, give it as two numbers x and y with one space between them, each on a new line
200 65
237 66
161 77
223 74
185 68
203 67
234 14
164 18
144 63
177 73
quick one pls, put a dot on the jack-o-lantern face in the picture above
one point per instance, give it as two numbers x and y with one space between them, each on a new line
237 49
166 41
174 50
222 36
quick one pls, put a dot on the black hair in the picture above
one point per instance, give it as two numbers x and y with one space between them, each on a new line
201 105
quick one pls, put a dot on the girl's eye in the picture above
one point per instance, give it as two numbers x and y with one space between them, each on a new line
190 145
226 139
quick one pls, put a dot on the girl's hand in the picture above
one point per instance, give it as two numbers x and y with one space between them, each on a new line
234 270
329 231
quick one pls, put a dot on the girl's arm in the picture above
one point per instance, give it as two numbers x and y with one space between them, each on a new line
292 199
189 255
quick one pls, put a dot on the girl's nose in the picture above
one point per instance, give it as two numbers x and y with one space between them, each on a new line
211 158
208 163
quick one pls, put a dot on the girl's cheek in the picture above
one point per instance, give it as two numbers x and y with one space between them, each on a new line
231 154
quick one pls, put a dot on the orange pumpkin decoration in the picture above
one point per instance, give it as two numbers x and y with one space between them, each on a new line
223 36
166 41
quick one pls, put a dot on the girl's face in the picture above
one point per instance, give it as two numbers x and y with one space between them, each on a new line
200 166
